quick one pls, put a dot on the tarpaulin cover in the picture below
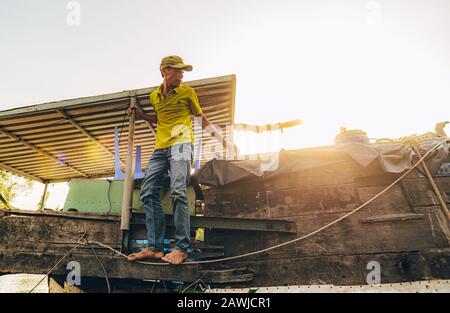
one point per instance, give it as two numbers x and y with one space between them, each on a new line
392 158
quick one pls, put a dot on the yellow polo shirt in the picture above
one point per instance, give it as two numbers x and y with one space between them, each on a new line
174 114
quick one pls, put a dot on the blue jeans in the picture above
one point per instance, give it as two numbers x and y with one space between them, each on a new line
178 161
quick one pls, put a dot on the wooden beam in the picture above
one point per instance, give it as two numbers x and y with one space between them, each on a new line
20 173
62 180
74 157
67 103
116 267
53 172
87 133
48 135
40 151
129 179
435 188
43 197
28 167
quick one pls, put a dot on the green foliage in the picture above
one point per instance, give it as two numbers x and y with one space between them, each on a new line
11 185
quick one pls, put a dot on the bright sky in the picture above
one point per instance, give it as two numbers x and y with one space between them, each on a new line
381 66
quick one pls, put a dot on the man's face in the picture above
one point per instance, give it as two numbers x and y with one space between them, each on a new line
173 76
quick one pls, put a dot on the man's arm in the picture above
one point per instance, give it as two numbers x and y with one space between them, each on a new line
196 110
226 144
141 115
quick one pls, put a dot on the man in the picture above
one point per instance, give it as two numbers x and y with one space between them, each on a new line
174 104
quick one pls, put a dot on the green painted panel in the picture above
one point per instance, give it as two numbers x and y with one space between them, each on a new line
91 195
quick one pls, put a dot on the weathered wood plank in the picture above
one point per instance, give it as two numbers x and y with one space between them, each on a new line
34 232
419 193
350 236
350 269
116 267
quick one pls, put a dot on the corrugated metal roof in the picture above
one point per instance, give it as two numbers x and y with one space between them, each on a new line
61 140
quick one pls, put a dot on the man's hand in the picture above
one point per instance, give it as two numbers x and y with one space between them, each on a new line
140 115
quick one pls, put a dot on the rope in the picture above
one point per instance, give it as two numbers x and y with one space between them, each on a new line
199 280
293 240
101 264
59 262
84 236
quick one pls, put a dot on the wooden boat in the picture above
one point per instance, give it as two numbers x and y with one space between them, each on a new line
405 230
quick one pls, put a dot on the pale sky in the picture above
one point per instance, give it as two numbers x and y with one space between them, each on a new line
380 66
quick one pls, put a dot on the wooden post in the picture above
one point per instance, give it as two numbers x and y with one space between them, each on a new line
129 180
436 190
43 197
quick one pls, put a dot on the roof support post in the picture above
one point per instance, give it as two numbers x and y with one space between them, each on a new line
129 180
43 197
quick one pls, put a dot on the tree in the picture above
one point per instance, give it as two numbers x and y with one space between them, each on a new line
11 185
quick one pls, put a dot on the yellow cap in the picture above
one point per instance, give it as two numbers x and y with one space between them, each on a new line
175 62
